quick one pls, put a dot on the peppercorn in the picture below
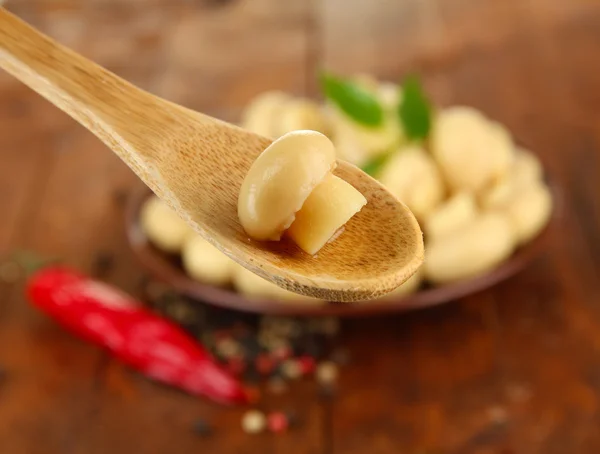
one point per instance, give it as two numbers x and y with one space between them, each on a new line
291 369
264 364
327 372
277 385
227 347
253 422
236 365
341 356
292 418
201 428
277 422
307 364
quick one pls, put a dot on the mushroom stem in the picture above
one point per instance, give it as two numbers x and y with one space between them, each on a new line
328 207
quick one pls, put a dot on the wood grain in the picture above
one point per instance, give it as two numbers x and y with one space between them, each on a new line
197 163
511 370
531 326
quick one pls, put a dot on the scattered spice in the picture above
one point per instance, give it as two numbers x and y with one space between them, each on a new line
236 365
327 373
156 291
227 347
202 428
253 422
277 385
307 364
275 348
330 326
103 263
292 418
261 350
341 356
277 422
279 346
326 392
291 369
178 310
266 338
264 364
283 352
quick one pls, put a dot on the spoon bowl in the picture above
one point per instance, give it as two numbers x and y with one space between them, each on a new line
196 164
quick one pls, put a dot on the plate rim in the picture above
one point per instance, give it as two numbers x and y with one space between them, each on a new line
162 268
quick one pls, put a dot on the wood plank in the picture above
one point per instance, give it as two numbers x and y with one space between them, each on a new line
431 380
179 52
437 369
530 326
358 37
51 373
217 59
550 332
133 414
396 37
199 76
562 54
567 55
70 213
509 370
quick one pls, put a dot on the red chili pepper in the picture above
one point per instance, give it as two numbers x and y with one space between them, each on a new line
144 341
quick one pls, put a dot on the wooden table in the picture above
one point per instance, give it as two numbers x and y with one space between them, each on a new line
512 370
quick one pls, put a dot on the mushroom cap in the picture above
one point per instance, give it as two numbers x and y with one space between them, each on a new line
454 214
471 151
471 251
165 229
412 176
529 210
280 180
205 263
262 114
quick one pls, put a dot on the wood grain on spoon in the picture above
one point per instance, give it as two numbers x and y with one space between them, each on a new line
197 163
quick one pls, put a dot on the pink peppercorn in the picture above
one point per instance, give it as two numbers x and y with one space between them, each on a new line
264 364
236 365
282 353
277 422
307 364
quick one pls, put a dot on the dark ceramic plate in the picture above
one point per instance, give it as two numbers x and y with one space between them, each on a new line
168 269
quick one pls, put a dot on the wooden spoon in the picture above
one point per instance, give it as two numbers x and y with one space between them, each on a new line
197 163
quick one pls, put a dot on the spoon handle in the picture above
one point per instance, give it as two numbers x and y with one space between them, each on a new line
121 115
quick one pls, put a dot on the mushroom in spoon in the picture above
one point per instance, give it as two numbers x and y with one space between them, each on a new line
197 165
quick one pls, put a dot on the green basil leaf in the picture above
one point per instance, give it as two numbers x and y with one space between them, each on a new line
373 167
353 100
415 109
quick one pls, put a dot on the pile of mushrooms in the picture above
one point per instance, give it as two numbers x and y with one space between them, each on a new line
201 260
476 194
